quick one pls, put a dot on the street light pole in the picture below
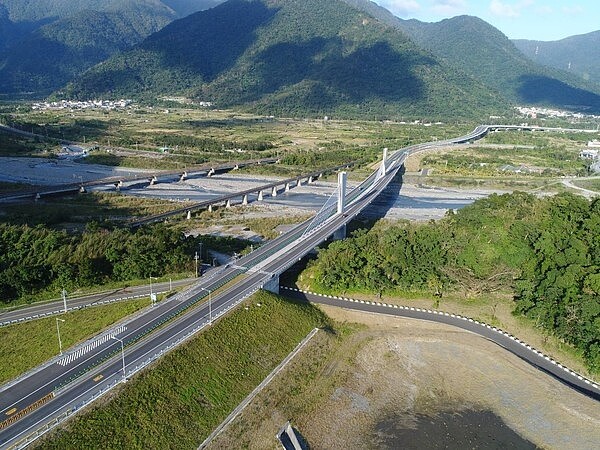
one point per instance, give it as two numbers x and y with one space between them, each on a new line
209 304
152 295
58 333
64 296
196 259
122 356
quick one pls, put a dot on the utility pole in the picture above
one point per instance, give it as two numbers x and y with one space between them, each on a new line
152 295
58 333
196 260
122 356
64 296
209 304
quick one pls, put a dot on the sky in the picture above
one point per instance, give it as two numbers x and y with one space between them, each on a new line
540 20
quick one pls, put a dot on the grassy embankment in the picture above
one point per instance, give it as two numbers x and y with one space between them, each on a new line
505 160
19 355
190 391
495 309
592 185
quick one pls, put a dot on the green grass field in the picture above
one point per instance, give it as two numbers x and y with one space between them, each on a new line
26 345
191 390
592 185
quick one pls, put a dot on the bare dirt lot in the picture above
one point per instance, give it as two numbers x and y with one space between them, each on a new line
340 390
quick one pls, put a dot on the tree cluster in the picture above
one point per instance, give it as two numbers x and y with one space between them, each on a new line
546 252
33 259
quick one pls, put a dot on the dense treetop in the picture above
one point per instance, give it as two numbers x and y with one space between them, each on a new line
546 252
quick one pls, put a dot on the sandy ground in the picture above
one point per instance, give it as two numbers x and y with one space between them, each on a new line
405 202
339 389
54 171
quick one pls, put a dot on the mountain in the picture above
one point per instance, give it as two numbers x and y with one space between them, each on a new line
49 42
488 55
576 54
290 57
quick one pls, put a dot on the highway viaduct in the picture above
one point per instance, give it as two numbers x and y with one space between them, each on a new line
47 395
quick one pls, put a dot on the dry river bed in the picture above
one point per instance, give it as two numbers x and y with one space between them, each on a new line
401 383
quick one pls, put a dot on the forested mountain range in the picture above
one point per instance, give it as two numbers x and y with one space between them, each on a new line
488 55
350 57
46 43
291 57
576 54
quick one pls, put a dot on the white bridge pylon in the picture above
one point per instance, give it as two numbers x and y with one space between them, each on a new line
382 167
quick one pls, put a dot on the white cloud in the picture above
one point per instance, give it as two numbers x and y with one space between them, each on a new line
449 7
573 10
400 8
545 10
499 8
503 9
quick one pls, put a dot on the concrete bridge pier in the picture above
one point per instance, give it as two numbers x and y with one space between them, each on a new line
341 200
287 187
274 192
236 167
340 233
228 204
272 285
37 196
299 182
153 180
245 200
211 172
310 180
119 185
189 215
210 208
82 190
384 161
183 176
260 196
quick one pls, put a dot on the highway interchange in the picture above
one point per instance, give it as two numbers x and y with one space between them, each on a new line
40 399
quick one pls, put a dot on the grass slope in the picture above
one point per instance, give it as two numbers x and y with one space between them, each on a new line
19 355
190 391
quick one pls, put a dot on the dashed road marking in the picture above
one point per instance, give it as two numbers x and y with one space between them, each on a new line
78 353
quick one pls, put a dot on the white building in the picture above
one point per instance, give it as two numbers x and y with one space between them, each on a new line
589 154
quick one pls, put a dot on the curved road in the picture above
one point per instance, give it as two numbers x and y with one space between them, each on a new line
496 335
40 399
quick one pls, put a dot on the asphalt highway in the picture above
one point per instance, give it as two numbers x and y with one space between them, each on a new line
39 399
39 310
68 379
496 335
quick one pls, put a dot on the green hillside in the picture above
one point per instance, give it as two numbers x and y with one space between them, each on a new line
47 43
290 57
488 55
579 55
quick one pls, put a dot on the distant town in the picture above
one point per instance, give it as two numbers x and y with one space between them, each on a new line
87 104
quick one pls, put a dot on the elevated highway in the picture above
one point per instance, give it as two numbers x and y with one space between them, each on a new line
39 400
119 181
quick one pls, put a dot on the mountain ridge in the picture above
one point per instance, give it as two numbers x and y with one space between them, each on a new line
45 44
488 55
281 56
578 54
